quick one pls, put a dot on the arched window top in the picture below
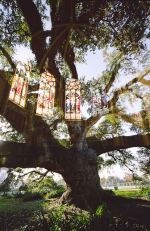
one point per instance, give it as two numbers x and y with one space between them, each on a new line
19 87
46 96
72 100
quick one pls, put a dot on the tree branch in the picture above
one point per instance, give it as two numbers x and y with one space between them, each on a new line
121 142
114 72
112 102
144 5
33 19
94 119
8 57
137 119
13 155
66 45
34 171
57 37
144 81
140 79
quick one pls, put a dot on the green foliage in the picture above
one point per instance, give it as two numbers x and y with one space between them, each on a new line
31 196
145 191
9 133
65 218
144 160
18 31
4 187
23 187
40 185
46 216
44 184
55 193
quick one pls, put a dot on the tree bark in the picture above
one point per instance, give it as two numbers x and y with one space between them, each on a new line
117 143
82 180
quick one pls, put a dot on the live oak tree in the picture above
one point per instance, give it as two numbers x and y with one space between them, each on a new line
75 27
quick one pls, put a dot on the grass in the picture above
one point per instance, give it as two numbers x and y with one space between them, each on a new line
14 211
127 210
130 193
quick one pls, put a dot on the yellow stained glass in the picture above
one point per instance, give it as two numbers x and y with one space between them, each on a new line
46 96
72 100
19 87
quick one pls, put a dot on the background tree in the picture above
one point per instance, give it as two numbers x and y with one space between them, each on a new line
128 177
86 25
113 179
5 185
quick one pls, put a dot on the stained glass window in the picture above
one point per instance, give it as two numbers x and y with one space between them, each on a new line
98 99
19 87
72 100
96 103
46 96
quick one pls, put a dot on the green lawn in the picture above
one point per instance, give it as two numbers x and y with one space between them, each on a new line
15 214
130 193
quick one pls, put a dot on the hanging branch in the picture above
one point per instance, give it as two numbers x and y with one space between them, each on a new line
115 159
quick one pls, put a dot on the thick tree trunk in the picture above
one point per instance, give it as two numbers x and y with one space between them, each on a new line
83 182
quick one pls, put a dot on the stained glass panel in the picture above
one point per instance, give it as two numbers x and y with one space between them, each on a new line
72 100
46 96
98 102
19 87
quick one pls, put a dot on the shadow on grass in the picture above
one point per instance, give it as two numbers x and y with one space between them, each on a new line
117 213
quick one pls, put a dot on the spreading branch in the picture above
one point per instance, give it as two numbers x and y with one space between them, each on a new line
121 142
136 119
112 102
141 79
40 178
13 155
94 119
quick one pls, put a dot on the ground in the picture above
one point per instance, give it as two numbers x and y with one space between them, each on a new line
130 212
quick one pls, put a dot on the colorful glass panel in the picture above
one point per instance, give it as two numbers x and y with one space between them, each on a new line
19 87
72 100
96 102
46 96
